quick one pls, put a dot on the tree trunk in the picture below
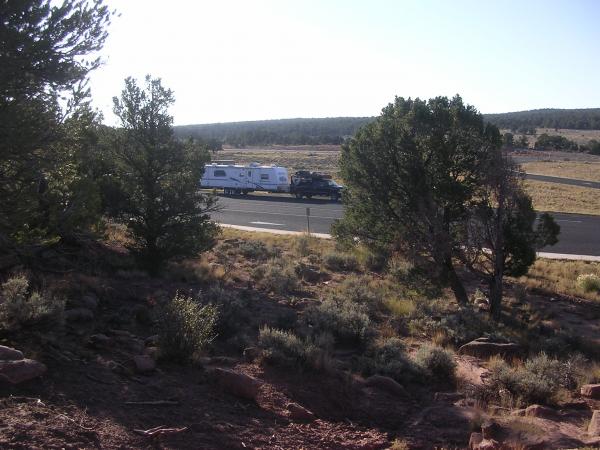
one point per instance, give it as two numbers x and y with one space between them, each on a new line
496 292
455 284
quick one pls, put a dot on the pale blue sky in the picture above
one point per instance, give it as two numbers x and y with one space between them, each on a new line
232 60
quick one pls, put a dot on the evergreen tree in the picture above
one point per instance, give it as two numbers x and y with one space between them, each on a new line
157 179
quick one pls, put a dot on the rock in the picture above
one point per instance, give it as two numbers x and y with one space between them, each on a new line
451 397
386 384
591 390
22 370
594 426
475 440
488 444
79 315
89 301
300 413
144 363
152 341
236 383
251 353
100 341
152 352
540 411
490 430
484 348
10 354
518 412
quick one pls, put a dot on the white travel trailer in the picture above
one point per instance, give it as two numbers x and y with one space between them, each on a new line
241 179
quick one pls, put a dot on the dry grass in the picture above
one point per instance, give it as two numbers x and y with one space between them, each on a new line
561 276
563 198
584 170
299 159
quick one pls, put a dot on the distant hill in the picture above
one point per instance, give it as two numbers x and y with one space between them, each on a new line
330 130
334 130
575 119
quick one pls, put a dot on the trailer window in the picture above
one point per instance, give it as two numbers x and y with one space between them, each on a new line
264 176
219 173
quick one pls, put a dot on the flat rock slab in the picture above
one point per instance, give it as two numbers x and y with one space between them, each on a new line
594 426
483 348
386 384
10 354
236 383
19 371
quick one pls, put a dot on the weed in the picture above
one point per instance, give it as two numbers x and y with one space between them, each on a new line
185 328
277 276
400 308
258 250
287 349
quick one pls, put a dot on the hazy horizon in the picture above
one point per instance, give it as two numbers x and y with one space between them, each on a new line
236 61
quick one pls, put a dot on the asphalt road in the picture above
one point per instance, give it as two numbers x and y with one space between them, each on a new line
580 234
561 180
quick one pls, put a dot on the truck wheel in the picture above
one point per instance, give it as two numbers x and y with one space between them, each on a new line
334 197
309 196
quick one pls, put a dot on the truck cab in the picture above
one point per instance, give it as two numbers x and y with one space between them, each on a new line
308 184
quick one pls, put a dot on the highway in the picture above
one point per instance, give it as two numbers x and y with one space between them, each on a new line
580 234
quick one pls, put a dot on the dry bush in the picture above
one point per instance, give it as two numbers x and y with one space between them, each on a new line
338 262
185 328
388 357
194 271
437 362
20 307
277 276
346 320
287 349
304 245
258 250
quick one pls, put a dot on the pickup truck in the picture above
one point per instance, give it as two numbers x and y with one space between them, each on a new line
308 184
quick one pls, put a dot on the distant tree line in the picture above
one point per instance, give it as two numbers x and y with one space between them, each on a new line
332 130
527 121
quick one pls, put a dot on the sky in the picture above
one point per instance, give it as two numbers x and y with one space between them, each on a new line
229 60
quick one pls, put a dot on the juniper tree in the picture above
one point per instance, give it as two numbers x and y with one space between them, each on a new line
157 178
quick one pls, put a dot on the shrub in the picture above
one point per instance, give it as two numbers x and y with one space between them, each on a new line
282 347
278 276
346 320
399 268
232 308
437 362
285 348
185 328
538 380
258 250
20 307
338 262
588 282
388 357
358 289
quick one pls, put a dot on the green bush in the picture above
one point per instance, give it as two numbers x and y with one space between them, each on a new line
20 307
258 250
399 268
589 282
185 328
357 289
388 358
437 362
347 321
340 262
277 276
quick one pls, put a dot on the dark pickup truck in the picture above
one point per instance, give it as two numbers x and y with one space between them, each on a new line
308 184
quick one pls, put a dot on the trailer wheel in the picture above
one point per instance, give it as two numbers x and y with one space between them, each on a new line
226 191
298 195
309 196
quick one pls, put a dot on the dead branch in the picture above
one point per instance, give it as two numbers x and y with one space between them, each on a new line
159 431
154 403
